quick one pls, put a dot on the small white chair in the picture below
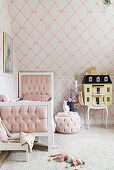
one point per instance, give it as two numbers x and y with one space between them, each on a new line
15 146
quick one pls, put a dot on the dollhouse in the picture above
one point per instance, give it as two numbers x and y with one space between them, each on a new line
97 90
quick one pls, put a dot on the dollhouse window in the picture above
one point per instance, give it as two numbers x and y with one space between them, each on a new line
88 90
108 99
108 89
98 90
105 79
90 79
87 99
98 79
97 100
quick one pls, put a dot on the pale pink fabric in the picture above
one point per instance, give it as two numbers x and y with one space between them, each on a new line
25 118
27 138
36 87
68 114
67 124
3 134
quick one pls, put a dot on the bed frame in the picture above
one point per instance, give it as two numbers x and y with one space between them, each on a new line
49 104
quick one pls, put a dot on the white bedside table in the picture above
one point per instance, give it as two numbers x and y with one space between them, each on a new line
97 107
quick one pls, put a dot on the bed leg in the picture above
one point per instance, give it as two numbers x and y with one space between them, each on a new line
27 155
50 142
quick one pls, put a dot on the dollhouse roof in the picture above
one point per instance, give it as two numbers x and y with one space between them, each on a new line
94 79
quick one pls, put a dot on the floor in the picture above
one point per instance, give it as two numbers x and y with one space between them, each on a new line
3 157
95 146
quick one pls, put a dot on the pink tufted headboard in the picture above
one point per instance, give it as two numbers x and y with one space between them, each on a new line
35 86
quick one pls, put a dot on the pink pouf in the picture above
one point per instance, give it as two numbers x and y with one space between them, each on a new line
67 123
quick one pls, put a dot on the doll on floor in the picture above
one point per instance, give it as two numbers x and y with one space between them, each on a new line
69 159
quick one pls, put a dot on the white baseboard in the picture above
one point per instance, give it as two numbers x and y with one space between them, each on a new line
97 122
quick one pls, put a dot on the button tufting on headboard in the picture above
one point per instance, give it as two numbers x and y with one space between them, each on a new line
36 87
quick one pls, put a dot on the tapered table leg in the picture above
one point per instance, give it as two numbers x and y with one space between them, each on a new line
106 117
88 117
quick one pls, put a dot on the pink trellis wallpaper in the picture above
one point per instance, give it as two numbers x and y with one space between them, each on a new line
63 36
9 81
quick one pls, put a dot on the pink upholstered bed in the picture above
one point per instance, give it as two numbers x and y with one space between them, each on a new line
34 112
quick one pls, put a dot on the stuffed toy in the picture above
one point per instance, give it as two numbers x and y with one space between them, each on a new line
69 159
65 107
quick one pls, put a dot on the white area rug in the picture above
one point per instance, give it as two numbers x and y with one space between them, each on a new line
94 146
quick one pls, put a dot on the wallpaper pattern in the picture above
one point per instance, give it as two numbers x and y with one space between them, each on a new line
65 36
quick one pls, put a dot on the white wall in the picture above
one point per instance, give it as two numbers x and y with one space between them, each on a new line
9 88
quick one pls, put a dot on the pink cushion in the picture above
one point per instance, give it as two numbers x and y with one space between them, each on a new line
68 123
3 134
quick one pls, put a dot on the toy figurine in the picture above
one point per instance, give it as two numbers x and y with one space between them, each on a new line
65 107
75 98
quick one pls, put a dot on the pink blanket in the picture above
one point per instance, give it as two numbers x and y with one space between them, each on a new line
27 138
